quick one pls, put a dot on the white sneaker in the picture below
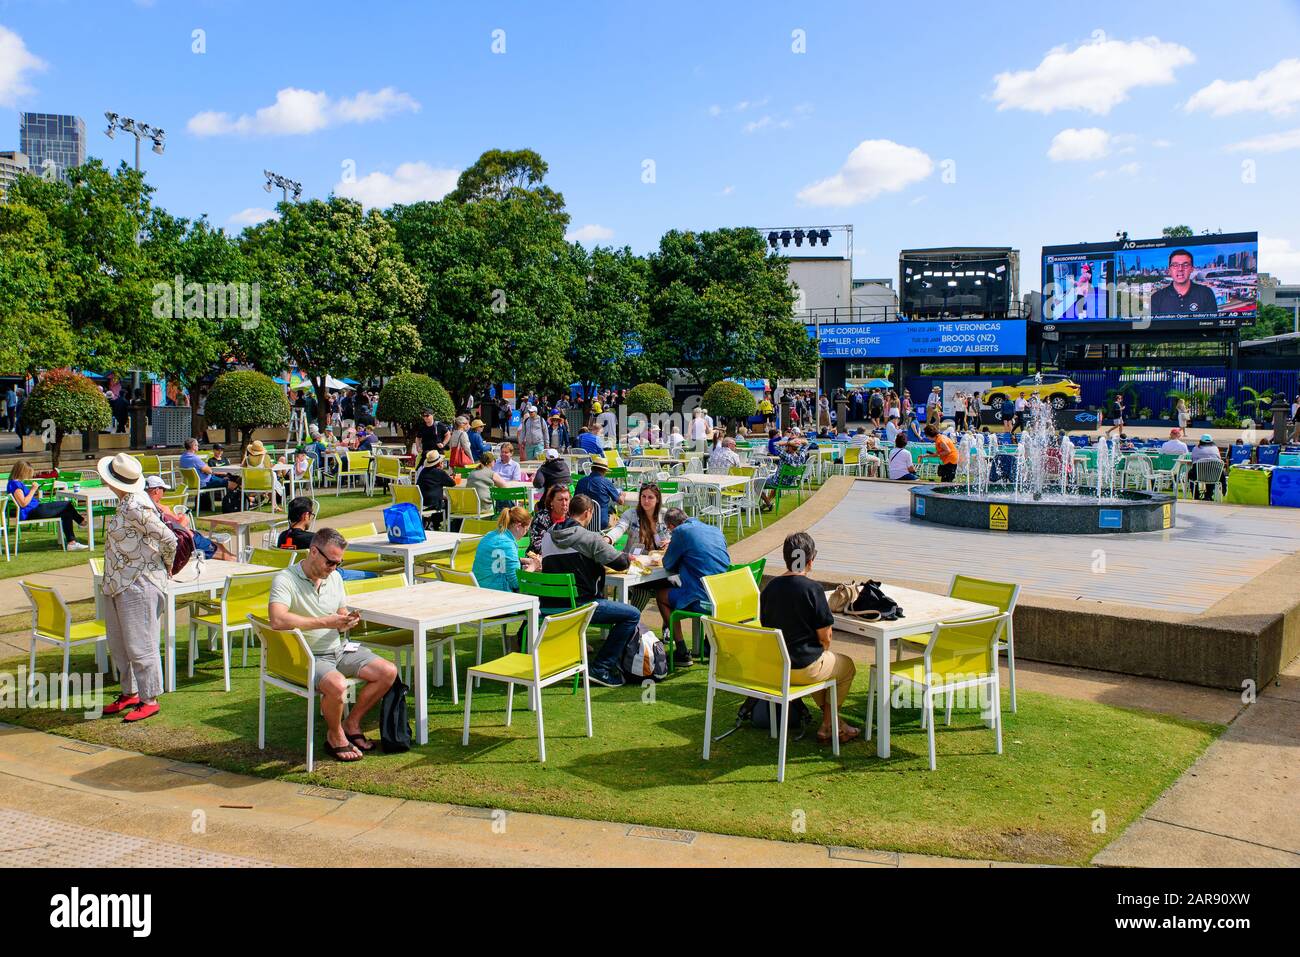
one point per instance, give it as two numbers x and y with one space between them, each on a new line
78 547
221 538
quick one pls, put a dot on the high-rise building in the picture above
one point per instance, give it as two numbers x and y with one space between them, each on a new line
53 139
12 163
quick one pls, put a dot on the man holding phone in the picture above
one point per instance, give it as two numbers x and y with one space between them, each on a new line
309 596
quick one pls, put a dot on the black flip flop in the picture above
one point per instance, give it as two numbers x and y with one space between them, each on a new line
335 751
360 741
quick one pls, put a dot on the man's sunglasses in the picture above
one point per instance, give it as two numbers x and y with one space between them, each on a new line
329 562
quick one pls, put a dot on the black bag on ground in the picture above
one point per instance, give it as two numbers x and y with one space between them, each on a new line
394 723
871 598
232 500
759 713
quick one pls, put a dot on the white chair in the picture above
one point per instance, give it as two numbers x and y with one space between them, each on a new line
1137 472
1209 472
11 506
717 508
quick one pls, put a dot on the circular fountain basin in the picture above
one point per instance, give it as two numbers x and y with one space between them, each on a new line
1054 513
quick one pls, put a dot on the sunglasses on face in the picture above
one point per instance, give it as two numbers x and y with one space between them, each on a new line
329 562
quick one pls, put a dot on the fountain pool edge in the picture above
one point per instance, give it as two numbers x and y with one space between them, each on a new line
950 505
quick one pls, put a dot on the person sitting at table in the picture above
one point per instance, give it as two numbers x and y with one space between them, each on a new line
213 547
589 442
431 478
859 438
217 456
794 454
796 604
483 479
365 440
724 457
597 487
773 442
497 561
695 550
571 548
1175 444
256 457
900 461
553 471
475 436
676 441
28 500
644 524
1204 451
309 596
208 477
553 510
507 467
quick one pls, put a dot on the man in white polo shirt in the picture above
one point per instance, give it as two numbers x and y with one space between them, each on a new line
309 596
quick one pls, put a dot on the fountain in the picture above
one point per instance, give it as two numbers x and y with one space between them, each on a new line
1034 486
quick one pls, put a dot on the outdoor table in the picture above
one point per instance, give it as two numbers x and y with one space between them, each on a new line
239 523
197 576
88 498
427 606
433 543
620 584
718 481
923 611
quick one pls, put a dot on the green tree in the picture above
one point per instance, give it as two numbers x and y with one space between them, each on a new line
649 398
729 402
36 285
1177 232
610 315
247 400
1273 320
70 402
503 175
404 398
336 291
499 289
721 307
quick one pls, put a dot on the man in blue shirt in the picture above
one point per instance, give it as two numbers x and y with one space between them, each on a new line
590 442
476 444
190 460
696 551
600 490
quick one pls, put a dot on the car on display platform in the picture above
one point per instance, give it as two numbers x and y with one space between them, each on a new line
1059 390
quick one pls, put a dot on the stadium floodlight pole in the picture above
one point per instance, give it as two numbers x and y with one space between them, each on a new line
137 129
285 184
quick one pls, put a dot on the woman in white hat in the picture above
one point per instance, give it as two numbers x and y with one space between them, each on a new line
138 554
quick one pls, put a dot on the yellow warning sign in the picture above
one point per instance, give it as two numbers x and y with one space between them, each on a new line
1168 515
998 517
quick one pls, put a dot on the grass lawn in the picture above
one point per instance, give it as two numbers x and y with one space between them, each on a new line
1064 760
41 551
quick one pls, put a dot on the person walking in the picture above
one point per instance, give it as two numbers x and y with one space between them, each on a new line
138 553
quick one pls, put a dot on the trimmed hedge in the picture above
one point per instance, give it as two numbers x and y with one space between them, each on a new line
649 398
729 401
404 398
71 401
246 401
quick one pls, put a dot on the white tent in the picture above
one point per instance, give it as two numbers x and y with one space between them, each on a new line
336 384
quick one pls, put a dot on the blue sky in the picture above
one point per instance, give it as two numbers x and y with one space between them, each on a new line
945 123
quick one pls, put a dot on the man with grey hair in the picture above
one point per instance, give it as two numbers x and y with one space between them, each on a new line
724 457
309 596
695 551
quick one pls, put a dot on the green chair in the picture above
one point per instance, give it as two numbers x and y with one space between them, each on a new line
506 497
556 591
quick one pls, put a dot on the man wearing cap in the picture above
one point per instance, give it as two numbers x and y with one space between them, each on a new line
214 547
431 434
600 490
532 434
476 444
1175 445
554 471
138 554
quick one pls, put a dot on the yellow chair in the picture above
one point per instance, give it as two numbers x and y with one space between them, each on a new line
462 559
407 493
358 467
287 664
1002 596
390 467
52 623
754 662
242 596
733 596
478 526
852 462
360 561
959 655
612 457
257 481
149 464
463 502
193 484
559 651
273 557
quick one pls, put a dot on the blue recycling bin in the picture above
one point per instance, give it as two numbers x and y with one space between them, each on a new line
1285 489
1240 454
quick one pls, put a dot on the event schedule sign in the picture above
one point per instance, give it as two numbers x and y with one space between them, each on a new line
923 340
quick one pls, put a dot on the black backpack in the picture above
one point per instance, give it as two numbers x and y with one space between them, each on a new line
759 713
394 723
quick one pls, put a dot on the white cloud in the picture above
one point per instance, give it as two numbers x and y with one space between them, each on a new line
16 61
409 183
1074 145
1161 144
1275 91
874 167
715 110
591 233
919 200
1095 76
296 112
1269 143
728 190
251 216
1130 169
1279 258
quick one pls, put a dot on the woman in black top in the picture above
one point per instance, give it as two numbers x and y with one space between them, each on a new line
796 604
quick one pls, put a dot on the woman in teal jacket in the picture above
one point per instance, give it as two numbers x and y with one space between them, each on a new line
497 562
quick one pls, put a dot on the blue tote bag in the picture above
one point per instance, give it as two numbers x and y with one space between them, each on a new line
403 524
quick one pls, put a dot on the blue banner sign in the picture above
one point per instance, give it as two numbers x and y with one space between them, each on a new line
1110 518
907 340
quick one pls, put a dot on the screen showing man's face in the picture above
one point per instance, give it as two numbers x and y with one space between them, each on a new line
1180 270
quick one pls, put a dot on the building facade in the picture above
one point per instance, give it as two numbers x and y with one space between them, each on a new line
12 164
52 141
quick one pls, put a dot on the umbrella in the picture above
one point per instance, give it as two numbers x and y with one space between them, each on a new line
880 384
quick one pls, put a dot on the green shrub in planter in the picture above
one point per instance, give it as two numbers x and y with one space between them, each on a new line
404 398
67 401
649 398
246 401
729 401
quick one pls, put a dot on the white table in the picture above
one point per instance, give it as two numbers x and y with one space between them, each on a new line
422 608
433 543
88 498
621 583
923 611
207 576
714 479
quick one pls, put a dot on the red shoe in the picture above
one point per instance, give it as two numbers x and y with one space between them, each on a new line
142 712
123 702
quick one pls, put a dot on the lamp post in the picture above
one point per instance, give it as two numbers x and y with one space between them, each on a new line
137 129
285 184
